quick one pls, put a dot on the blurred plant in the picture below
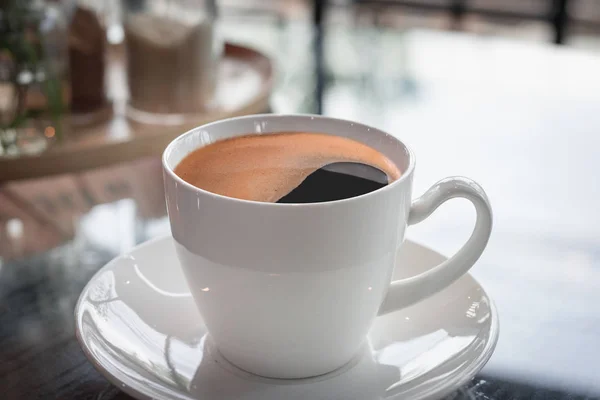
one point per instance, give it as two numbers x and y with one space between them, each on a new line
23 63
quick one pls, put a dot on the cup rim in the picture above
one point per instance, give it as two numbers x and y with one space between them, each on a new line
170 171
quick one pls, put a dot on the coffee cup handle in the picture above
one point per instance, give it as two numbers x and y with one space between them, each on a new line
404 292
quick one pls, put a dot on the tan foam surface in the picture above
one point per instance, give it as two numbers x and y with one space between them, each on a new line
267 167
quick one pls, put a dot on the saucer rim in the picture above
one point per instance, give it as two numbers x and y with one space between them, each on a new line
439 390
474 367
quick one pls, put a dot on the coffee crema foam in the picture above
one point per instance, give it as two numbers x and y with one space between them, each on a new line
267 167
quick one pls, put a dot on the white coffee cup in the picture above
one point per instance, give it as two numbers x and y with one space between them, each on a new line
290 290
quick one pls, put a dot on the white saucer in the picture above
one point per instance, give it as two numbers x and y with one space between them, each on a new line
138 325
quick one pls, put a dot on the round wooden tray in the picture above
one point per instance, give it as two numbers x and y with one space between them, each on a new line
110 136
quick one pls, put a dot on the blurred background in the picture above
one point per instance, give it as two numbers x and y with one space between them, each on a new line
70 107
504 91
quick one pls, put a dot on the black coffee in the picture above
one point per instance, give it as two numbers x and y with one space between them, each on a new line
323 185
283 167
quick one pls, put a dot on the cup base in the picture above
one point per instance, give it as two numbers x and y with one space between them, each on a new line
217 355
